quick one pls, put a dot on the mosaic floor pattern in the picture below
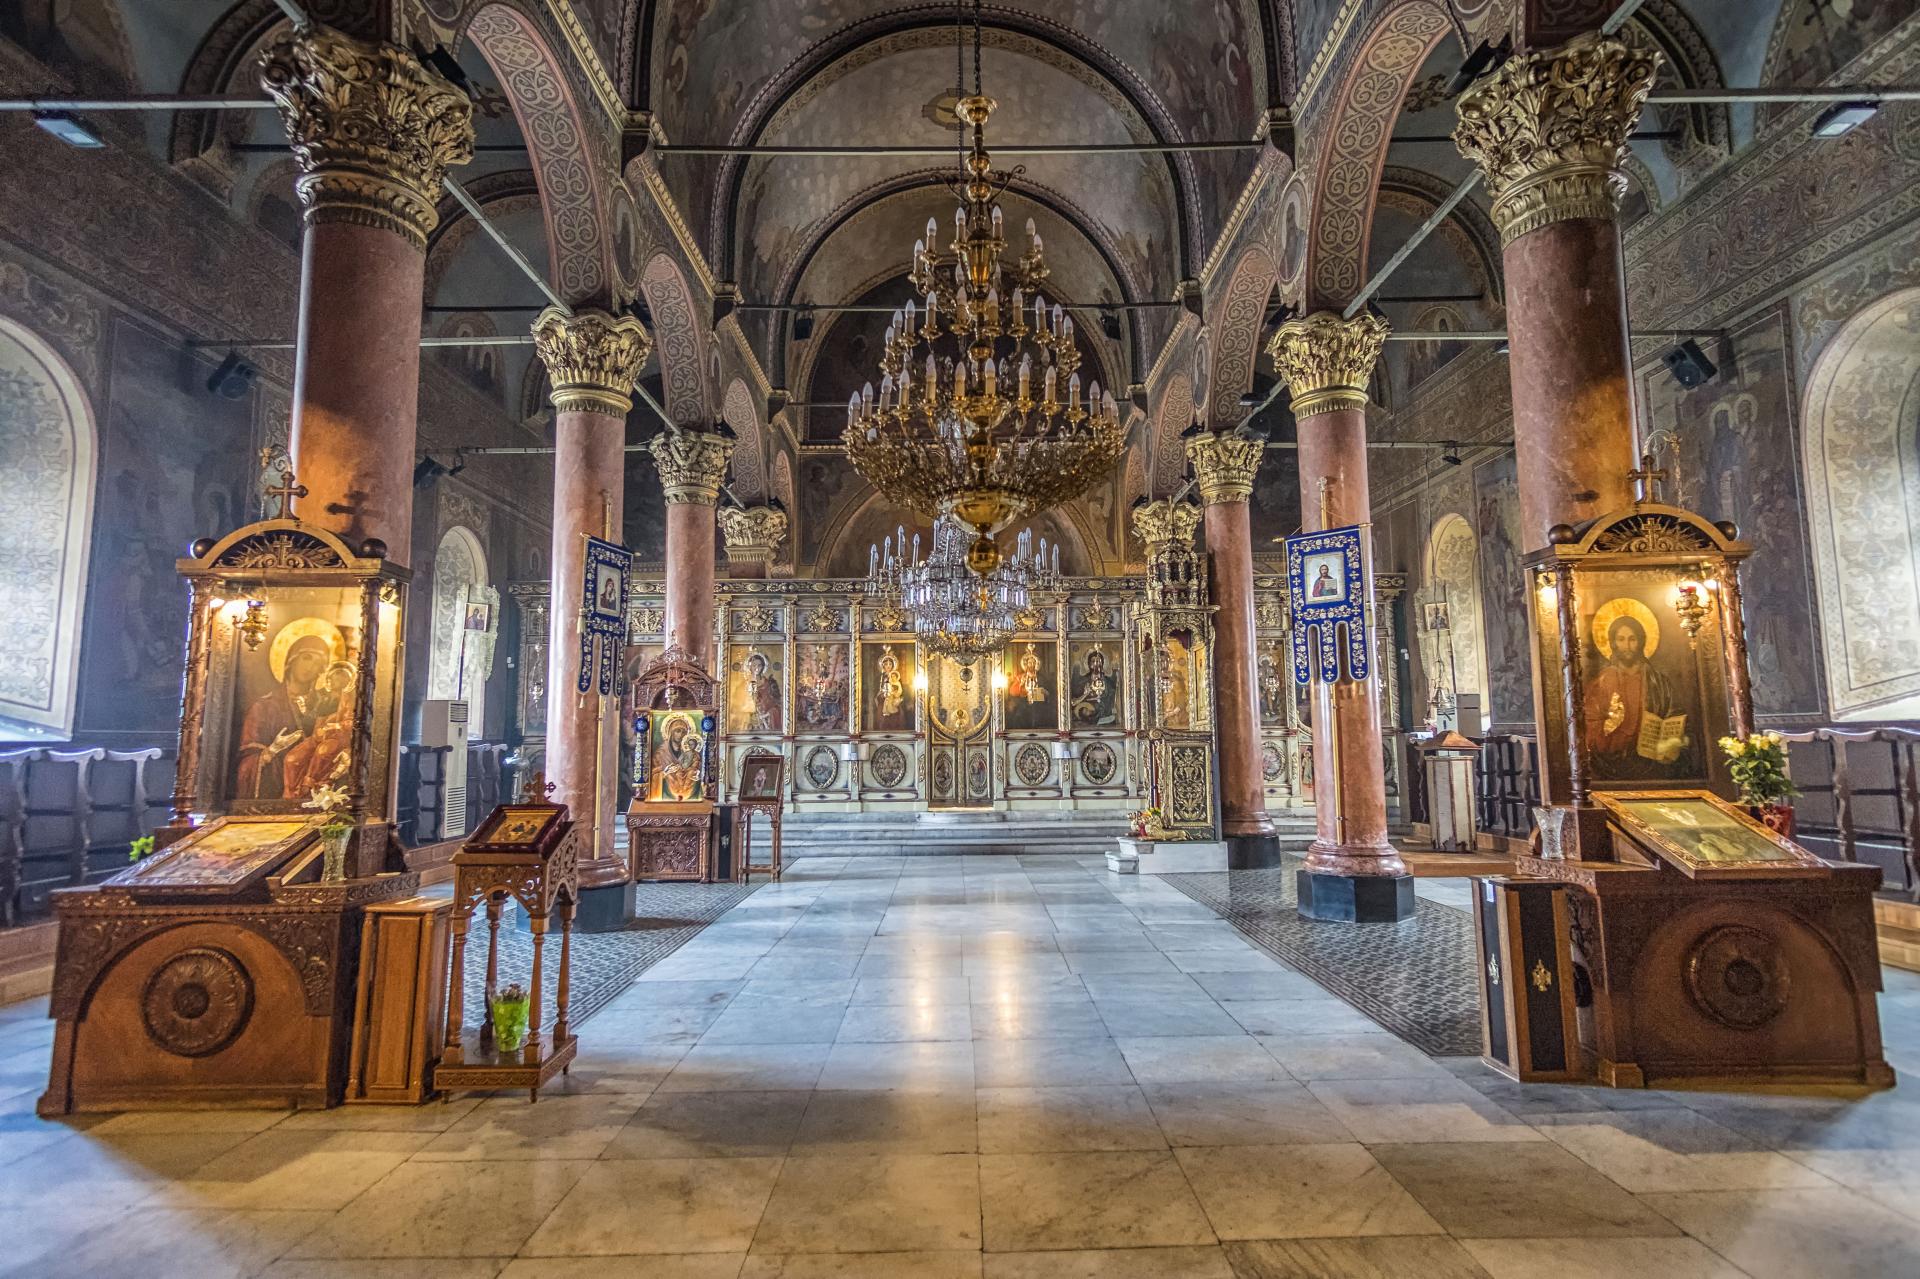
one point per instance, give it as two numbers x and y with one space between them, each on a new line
1416 977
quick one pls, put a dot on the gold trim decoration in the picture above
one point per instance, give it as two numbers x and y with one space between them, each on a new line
592 359
373 130
752 534
1326 360
692 465
1224 466
1550 130
1163 523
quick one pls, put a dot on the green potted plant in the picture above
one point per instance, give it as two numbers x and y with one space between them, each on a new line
336 831
1758 764
510 1006
139 848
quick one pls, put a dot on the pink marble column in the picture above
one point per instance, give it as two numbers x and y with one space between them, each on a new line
1352 871
373 132
692 466
592 360
1224 467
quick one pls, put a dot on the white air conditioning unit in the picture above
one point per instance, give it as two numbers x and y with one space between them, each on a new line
443 722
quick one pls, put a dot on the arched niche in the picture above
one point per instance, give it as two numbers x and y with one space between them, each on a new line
1862 459
48 454
1453 634
466 621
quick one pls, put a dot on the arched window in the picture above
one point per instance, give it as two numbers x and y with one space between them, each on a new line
47 453
1863 508
466 620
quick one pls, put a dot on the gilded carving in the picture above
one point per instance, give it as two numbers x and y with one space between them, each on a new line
1550 130
373 130
1224 465
592 359
1164 523
286 549
822 619
1327 360
692 465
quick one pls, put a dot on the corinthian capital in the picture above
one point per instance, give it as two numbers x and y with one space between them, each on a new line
373 131
1549 130
752 534
1326 360
1225 466
1165 523
692 464
592 359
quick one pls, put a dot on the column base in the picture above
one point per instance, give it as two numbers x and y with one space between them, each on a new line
605 910
1354 899
1252 852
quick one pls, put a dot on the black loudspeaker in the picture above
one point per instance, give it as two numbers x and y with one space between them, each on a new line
233 379
1689 364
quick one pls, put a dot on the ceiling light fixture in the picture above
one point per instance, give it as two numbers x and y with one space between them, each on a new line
979 411
70 129
1843 118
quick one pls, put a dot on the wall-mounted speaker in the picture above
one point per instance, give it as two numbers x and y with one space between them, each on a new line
1689 364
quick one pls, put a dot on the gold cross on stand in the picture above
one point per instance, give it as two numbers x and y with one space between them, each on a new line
1644 477
286 492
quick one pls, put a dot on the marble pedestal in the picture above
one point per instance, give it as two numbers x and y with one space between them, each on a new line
1150 857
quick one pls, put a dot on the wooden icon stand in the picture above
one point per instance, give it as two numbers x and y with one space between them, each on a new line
526 852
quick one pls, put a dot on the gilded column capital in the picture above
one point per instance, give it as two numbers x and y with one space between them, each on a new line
1326 360
1224 465
1165 523
373 130
692 465
592 359
752 534
1550 129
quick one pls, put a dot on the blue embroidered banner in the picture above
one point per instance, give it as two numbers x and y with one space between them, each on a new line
603 615
1327 586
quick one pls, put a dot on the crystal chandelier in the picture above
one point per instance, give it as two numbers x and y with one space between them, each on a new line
979 414
957 611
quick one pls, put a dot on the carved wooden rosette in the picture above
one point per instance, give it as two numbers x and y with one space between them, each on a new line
592 359
1550 129
752 534
373 130
1224 466
1326 360
692 465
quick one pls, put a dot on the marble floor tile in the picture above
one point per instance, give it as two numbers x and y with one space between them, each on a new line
1104 986
1046 989
904 1023
611 1068
712 1265
1145 960
1419 1109
1370 1056
1166 1016
440 1116
1650 1150
1198 1058
180 1241
888 1123
1300 1018
866 1203
623 1207
1275 983
1600 1258
1272 1192
656 994
830 991
565 1127
912 990
471 1209
1019 1019
711 1125
662 1024
1773 1234
872 1265
1111 1263
942 1066
1888 1177
1513 1190
374 1268
1047 1063
1045 1120
772 1021
1223 961
1105 1199
1269 1113
1362 1257
751 1067
285 1166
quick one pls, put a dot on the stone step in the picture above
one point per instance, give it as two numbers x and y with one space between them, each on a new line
938 833
1898 925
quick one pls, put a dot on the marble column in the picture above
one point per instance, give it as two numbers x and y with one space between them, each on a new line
752 535
1352 871
592 359
1224 467
1549 130
692 465
373 132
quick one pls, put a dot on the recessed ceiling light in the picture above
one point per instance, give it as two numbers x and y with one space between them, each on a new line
1843 117
70 129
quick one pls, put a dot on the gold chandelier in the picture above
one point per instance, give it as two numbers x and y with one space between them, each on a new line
979 414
